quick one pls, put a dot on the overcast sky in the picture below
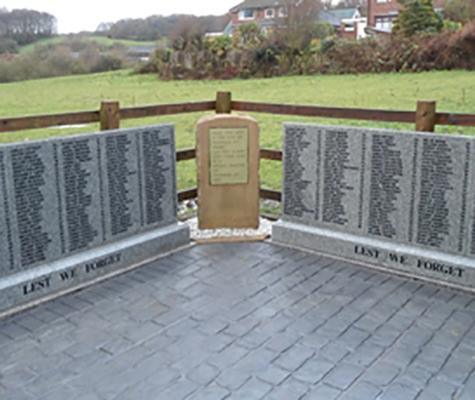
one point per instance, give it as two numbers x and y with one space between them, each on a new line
78 15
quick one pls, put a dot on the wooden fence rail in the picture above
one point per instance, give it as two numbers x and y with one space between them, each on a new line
425 118
109 116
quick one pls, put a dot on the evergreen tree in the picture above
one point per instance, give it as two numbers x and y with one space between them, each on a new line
417 16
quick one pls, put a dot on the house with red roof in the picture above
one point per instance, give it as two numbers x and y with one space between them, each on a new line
267 14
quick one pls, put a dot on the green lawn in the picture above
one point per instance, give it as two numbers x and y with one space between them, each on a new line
454 92
105 41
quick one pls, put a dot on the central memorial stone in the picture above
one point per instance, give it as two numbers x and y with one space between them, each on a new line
398 200
228 172
74 209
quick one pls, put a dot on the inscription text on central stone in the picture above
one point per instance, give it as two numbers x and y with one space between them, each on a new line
229 156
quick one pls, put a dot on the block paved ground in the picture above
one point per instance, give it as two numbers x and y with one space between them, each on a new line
244 321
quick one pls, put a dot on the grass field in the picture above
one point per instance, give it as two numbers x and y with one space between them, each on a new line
105 41
454 92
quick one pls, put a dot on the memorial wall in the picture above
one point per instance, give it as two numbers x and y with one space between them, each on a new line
398 200
68 203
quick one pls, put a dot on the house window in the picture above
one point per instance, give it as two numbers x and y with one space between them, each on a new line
247 13
270 13
282 12
349 27
383 1
384 23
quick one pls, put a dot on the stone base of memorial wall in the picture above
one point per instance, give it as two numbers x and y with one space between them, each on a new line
430 265
72 273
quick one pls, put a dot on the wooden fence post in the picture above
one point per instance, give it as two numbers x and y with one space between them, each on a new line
110 115
426 116
223 102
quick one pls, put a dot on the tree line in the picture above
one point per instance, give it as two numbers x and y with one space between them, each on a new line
26 26
156 27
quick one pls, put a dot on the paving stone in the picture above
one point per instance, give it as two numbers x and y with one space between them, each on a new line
369 322
459 365
228 357
253 389
466 392
401 355
18 394
29 322
386 335
438 390
138 333
255 361
233 378
316 341
381 374
282 342
61 393
16 377
432 357
343 375
352 338
294 357
416 336
184 363
213 326
313 370
203 374
4 340
273 375
291 389
333 352
361 390
242 328
179 390
14 330
399 392
211 393
115 345
87 396
414 377
322 392
365 354
254 339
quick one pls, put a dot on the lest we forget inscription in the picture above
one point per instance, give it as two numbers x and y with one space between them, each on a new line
73 209
398 200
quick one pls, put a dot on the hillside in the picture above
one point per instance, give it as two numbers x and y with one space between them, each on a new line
102 40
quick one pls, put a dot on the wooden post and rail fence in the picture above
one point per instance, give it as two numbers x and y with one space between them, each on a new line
110 115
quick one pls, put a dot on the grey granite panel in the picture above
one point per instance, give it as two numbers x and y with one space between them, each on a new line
121 204
77 180
444 171
342 163
65 197
6 251
158 176
300 169
388 187
398 188
324 176
33 204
